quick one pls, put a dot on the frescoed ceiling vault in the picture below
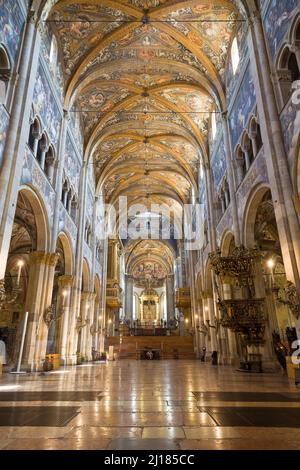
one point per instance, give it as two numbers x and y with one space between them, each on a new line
145 76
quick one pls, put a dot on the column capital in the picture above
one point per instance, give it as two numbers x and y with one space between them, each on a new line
65 281
42 257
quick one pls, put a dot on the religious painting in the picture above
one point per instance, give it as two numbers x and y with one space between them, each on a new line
277 21
72 164
45 105
33 175
218 163
149 273
11 25
242 107
290 123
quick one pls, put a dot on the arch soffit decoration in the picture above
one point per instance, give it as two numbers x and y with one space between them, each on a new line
250 212
68 252
41 216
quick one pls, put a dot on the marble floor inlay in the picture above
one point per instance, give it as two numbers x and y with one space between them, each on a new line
159 405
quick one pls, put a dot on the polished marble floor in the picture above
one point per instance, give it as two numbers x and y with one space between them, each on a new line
149 405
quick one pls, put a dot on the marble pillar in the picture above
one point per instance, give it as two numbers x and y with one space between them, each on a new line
38 299
65 289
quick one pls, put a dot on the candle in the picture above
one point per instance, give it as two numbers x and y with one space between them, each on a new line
20 264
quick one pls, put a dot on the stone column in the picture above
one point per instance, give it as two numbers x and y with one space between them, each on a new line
210 204
276 159
88 331
129 298
39 295
75 304
11 171
170 298
84 315
230 178
65 288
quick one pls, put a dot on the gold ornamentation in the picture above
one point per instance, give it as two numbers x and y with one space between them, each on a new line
8 298
290 297
245 316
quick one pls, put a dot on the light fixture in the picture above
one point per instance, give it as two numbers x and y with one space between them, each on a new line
270 263
109 321
206 309
186 320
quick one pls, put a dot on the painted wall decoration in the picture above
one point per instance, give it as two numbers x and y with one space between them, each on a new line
218 163
90 204
226 223
4 121
66 224
32 174
290 122
11 25
75 127
55 69
277 20
232 79
242 107
149 273
45 105
72 165
257 174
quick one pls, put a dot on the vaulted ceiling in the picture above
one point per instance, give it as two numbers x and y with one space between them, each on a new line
145 77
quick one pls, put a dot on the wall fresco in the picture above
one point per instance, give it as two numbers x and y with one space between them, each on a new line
33 175
290 122
242 107
218 164
277 21
66 224
4 122
90 204
45 105
258 173
232 79
55 70
11 25
72 165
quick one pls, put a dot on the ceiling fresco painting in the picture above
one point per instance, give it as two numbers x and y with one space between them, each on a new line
144 76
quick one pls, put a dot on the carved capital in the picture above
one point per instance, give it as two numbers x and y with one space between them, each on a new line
65 281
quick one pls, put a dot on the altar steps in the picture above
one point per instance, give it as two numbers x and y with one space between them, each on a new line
171 347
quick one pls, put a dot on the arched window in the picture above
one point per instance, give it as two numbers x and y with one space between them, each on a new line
235 55
49 164
74 206
248 150
34 133
5 72
241 164
255 135
41 151
288 72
